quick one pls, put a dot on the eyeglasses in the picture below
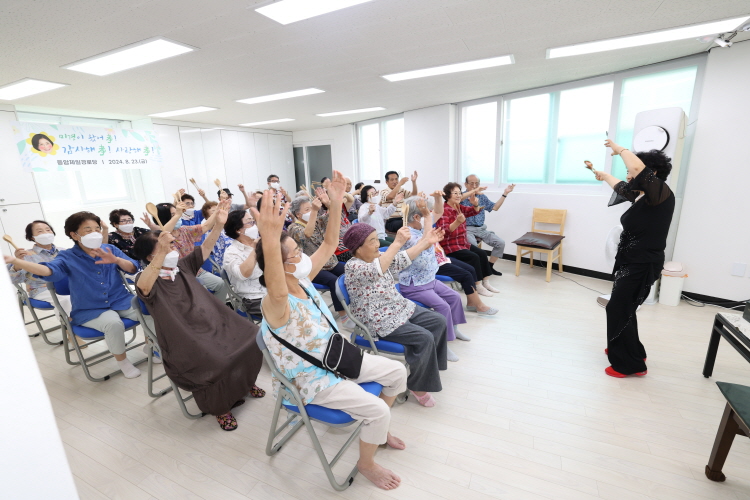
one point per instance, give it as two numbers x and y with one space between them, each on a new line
126 221
473 183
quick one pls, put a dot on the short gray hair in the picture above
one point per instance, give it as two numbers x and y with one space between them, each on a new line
297 204
411 202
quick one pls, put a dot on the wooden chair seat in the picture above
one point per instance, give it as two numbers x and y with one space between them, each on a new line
544 216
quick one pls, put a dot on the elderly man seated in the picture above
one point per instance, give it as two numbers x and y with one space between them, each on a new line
98 296
475 226
387 314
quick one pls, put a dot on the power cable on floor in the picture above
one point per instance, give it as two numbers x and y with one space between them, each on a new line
579 284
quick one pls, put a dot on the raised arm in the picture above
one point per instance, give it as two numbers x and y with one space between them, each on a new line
438 208
248 201
151 273
315 207
202 194
29 267
270 221
395 190
414 189
149 223
499 203
219 219
474 191
179 210
336 191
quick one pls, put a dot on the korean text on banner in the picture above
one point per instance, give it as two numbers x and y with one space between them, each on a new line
46 147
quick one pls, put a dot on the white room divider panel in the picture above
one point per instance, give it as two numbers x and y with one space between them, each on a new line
213 157
173 168
246 143
282 161
262 158
233 160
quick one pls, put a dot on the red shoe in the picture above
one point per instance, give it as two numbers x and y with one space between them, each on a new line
612 373
606 351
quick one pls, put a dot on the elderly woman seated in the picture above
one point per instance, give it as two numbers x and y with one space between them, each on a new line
387 314
208 349
125 233
418 281
295 312
372 213
308 230
240 261
96 290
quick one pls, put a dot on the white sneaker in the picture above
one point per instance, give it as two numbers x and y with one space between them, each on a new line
461 336
452 355
481 290
156 358
128 370
486 283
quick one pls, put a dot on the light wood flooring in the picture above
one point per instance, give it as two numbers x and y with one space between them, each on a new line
527 413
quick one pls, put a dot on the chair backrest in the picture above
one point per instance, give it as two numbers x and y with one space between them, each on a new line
61 287
140 311
341 290
548 216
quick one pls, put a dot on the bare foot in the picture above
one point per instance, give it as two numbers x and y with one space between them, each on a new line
395 442
380 476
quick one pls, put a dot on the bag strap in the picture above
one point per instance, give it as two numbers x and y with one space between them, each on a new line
331 324
302 354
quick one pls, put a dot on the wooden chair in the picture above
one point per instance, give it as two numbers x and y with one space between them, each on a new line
735 422
544 216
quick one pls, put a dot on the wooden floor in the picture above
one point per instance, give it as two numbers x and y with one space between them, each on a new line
527 413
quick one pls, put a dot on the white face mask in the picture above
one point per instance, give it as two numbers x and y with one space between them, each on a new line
252 232
275 185
190 212
44 238
302 268
92 241
375 200
305 217
170 260
126 228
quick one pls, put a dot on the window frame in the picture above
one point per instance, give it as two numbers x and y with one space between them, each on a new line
500 177
382 145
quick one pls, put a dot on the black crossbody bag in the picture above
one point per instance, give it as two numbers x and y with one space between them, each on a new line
341 357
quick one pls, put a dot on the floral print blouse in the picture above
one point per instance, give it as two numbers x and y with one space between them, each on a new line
374 298
422 269
307 329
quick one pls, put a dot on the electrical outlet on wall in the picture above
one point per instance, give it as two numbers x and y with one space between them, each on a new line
738 269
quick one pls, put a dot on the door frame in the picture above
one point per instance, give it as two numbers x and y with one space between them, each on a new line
304 145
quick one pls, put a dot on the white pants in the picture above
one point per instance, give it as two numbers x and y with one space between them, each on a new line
359 404
111 325
64 300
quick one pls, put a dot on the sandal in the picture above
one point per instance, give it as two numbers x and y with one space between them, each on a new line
257 392
227 421
427 400
238 403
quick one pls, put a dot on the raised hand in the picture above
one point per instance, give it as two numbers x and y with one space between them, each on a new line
106 256
164 243
337 188
372 208
509 189
181 207
414 176
270 220
616 148
221 216
437 194
403 181
9 259
146 220
316 204
422 206
181 191
241 187
434 235
20 254
402 236
202 193
461 218
473 199
398 198
104 226
323 196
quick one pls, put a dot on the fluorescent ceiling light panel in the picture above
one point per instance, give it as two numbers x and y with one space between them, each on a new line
130 56
648 38
283 95
27 87
186 111
266 122
350 112
451 68
291 11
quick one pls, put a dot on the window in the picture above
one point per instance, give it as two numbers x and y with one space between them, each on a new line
660 90
546 137
381 147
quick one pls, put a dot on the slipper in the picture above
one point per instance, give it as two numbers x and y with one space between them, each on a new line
427 400
257 392
612 373
227 421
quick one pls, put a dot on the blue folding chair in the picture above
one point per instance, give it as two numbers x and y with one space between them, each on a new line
301 415
449 281
355 221
127 281
34 305
398 287
236 301
89 334
141 311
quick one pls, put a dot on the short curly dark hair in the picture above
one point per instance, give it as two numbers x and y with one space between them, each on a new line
448 189
114 215
144 245
234 223
76 220
657 161
30 229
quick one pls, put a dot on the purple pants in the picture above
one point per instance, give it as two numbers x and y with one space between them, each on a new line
442 299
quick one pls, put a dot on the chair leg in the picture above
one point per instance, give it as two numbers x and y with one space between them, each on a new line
549 266
181 402
531 258
43 332
518 261
559 258
151 378
724 437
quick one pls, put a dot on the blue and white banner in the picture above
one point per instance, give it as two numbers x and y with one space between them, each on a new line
47 148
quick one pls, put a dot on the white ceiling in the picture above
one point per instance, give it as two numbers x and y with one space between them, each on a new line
244 54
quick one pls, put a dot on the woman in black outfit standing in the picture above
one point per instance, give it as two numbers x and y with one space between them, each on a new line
640 254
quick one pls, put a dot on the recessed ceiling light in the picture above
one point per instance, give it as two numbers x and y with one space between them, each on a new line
266 122
186 111
647 38
350 112
451 68
290 11
27 87
130 56
283 95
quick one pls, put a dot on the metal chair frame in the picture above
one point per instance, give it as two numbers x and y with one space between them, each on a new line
236 301
297 420
25 300
87 362
139 307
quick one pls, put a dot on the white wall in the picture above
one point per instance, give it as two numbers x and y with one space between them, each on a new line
342 140
429 145
714 230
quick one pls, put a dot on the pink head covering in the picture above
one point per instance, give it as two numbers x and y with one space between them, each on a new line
356 235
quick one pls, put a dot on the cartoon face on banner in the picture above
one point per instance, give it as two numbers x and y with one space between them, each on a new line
48 147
